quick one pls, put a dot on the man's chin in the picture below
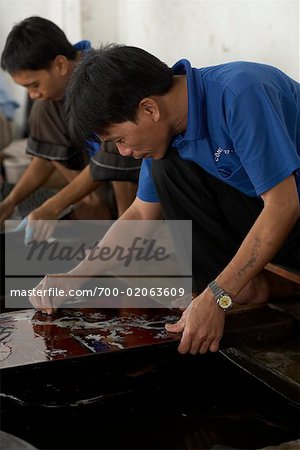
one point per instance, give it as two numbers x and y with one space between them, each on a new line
159 156
55 98
152 155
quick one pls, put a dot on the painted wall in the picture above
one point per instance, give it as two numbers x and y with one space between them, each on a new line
205 31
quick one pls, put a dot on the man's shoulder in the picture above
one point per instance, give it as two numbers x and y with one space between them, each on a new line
83 45
46 108
238 75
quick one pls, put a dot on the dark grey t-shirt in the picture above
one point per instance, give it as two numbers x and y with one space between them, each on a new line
49 139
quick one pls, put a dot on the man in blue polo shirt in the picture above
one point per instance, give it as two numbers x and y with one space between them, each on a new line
220 146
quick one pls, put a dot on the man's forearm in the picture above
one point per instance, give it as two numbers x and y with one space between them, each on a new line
120 234
35 175
262 242
81 186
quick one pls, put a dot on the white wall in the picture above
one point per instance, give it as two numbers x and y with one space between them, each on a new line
205 31
100 20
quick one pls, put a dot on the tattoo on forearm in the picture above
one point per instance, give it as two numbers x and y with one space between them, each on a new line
250 263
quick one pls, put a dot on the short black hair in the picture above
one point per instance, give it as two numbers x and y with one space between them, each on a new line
33 44
107 86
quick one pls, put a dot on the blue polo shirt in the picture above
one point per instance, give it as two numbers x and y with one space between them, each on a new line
243 127
83 46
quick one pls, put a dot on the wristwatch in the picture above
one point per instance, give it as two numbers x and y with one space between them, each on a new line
222 297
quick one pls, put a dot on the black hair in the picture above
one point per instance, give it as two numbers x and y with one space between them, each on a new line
33 44
107 86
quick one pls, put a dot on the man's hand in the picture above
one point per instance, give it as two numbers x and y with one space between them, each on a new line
45 299
201 324
182 303
38 230
6 209
41 223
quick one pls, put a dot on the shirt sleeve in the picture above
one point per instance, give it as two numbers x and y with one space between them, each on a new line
108 165
262 123
47 124
146 188
49 138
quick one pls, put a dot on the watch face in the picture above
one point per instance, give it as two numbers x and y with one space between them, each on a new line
225 302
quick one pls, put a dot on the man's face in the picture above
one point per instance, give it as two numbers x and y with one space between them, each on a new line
44 84
143 139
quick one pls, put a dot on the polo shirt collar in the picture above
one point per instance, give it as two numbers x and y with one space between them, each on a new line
83 46
195 124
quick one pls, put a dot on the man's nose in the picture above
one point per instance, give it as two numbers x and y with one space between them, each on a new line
123 149
34 95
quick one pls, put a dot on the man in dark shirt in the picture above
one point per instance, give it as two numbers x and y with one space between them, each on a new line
39 57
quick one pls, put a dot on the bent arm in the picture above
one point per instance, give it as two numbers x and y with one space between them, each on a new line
35 175
77 189
202 323
138 211
279 215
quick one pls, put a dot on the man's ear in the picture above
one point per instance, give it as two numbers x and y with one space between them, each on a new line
61 64
150 107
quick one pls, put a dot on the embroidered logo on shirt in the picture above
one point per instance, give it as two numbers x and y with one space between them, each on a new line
221 150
